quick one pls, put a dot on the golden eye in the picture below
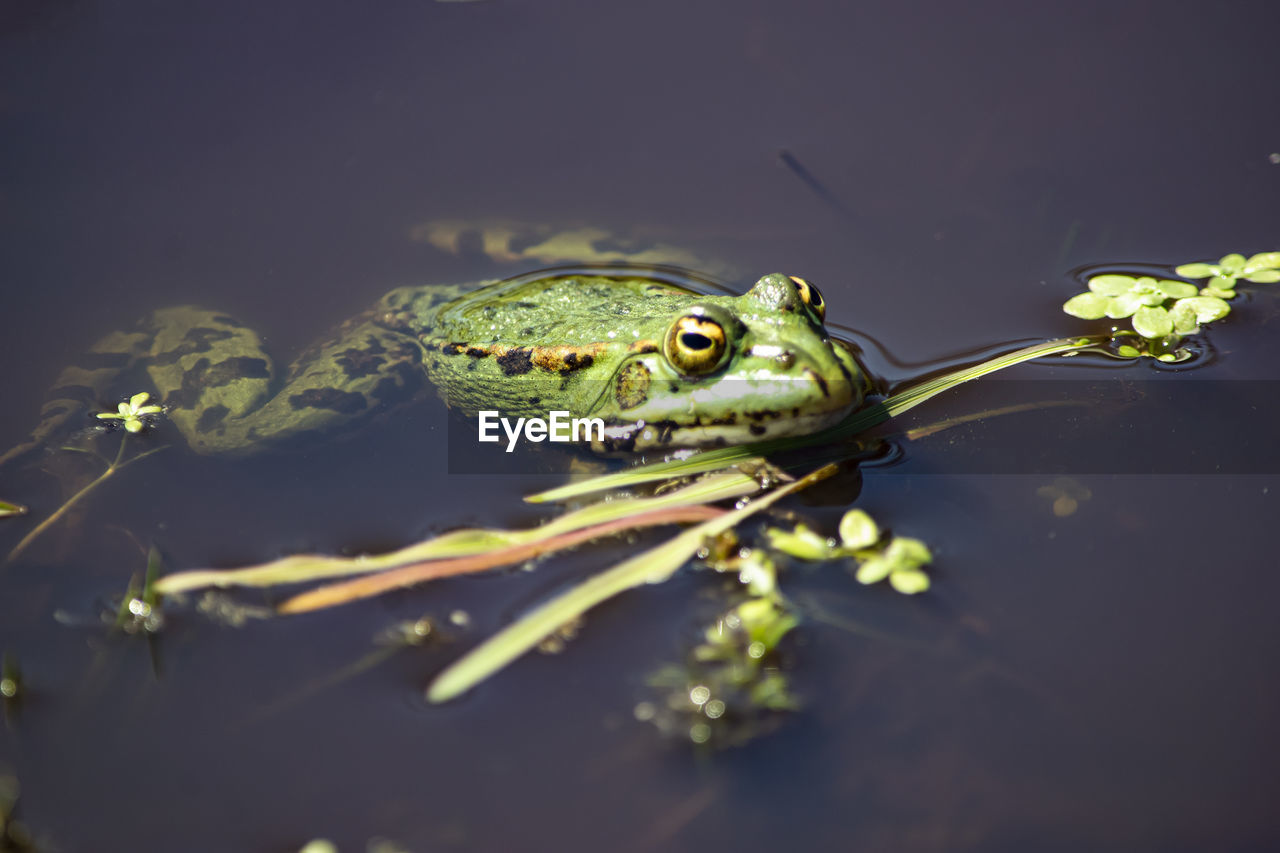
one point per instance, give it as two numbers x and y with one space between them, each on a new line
811 296
695 344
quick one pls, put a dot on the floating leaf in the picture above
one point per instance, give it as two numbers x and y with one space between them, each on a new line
1262 268
874 570
1127 351
858 530
1196 270
1119 307
906 551
1206 308
1152 322
1112 285
758 572
909 581
802 542
1175 289
1184 318
1087 306
1262 261
1232 264
7 509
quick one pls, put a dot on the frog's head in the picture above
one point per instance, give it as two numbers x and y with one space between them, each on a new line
732 370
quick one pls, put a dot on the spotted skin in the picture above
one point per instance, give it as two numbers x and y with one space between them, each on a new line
592 345
632 385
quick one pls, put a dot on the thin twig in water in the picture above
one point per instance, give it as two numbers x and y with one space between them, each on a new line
114 466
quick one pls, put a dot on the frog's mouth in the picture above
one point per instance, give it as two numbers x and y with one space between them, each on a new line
722 432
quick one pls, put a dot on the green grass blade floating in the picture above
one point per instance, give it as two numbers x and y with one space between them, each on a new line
8 510
858 422
915 395
652 566
343 592
301 568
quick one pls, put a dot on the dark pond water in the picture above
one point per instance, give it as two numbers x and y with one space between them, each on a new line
1104 680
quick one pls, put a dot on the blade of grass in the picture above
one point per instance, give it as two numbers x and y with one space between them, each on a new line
859 421
652 566
345 592
300 568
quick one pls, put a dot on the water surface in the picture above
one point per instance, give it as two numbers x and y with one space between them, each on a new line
1103 680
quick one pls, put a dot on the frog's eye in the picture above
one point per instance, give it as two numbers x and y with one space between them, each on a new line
811 296
695 344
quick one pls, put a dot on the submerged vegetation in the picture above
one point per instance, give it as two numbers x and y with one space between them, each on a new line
135 416
733 682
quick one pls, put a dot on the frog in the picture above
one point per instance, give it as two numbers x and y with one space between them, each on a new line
662 365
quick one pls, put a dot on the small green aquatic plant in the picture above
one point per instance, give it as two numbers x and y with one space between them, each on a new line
1262 268
732 686
1163 311
134 413
139 611
900 559
136 416
10 679
9 510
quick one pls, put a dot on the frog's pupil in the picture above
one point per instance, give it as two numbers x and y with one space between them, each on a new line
695 341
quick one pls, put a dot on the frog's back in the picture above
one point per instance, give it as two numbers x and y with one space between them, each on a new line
527 347
556 311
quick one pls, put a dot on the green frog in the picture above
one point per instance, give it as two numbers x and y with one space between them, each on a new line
661 365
